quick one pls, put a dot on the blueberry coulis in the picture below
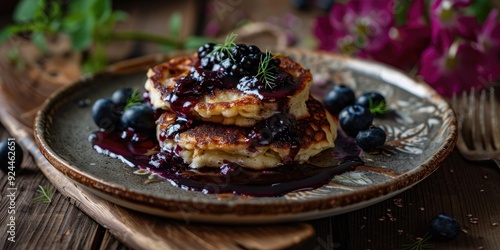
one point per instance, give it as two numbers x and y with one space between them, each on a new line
143 152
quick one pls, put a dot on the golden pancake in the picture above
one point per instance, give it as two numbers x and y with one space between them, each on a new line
230 106
207 144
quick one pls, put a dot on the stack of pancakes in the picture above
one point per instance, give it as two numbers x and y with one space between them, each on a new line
223 124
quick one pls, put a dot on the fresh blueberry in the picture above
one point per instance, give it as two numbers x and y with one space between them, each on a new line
106 114
339 97
371 138
444 227
373 98
11 155
120 97
355 118
139 118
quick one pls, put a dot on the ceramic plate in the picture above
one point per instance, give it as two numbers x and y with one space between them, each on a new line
421 131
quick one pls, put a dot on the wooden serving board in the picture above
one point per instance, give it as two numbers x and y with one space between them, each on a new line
142 231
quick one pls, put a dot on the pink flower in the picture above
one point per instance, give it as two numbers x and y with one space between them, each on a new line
456 66
488 38
325 34
408 41
357 26
404 49
447 16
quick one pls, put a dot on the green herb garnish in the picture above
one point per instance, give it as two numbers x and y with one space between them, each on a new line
420 244
265 72
134 99
377 107
225 48
45 195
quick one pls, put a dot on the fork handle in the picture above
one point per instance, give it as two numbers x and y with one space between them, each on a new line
497 161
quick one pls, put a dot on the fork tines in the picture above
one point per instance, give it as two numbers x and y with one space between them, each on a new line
477 121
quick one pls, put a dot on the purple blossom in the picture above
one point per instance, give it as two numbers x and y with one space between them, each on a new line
456 66
488 38
408 41
447 16
356 26
452 50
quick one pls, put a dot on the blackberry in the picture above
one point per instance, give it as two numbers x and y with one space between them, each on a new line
239 51
205 50
250 63
248 83
237 70
207 62
227 64
282 78
252 49
276 62
280 128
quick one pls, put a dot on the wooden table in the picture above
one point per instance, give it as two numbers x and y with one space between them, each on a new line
470 191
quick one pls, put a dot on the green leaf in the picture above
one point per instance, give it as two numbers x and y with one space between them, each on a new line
5 34
195 42
119 15
81 38
102 11
174 24
265 72
419 244
15 29
133 100
38 39
72 22
46 195
377 108
401 11
25 10
97 59
82 6
226 46
480 9
167 47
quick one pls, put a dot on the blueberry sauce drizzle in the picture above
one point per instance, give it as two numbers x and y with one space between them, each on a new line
143 152
203 80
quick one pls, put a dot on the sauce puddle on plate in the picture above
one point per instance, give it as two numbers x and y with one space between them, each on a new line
142 152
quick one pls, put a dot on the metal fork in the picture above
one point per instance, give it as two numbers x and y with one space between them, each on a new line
478 125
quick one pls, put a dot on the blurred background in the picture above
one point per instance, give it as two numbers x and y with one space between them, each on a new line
209 19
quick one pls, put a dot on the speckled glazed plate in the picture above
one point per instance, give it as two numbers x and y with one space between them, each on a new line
421 131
